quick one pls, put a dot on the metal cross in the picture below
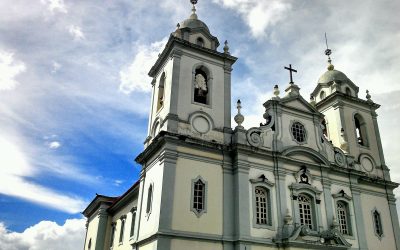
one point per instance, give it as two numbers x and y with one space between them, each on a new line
290 72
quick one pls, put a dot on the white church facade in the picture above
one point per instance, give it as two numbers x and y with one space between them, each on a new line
311 176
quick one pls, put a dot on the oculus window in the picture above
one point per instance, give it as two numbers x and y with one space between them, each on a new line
298 132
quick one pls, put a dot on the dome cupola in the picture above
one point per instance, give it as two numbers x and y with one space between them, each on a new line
196 31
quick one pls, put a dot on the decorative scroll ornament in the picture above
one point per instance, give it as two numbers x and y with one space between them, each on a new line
254 137
340 158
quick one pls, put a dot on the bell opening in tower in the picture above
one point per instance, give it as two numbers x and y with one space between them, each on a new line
200 87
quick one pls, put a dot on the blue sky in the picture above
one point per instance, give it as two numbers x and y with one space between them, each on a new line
74 91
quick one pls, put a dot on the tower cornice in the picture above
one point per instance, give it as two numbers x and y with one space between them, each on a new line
174 42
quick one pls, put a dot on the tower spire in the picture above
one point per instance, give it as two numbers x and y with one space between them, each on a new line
193 15
328 52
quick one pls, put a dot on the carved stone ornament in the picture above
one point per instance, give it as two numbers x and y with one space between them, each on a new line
340 159
254 137
303 176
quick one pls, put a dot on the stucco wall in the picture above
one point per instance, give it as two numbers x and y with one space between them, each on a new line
183 218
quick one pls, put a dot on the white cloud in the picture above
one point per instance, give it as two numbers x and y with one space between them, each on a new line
45 235
55 5
259 15
134 77
54 144
9 70
14 167
76 32
118 183
56 67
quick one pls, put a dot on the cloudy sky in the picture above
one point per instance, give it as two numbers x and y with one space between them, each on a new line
74 91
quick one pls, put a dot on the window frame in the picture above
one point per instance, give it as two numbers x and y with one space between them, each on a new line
206 69
341 196
133 222
122 230
192 196
149 200
373 212
363 130
263 183
315 196
112 235
292 123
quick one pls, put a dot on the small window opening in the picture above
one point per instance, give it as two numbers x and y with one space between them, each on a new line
324 129
200 86
90 244
133 224
200 42
377 223
348 91
160 95
361 132
121 233
149 198
322 95
199 196
112 234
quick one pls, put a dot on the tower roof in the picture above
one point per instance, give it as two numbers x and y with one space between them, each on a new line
193 23
333 75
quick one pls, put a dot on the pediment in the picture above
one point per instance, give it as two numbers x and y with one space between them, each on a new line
298 102
306 155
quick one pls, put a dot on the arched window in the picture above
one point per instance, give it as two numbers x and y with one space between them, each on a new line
343 217
305 210
200 41
133 221
149 199
361 130
201 86
121 232
160 95
377 223
261 199
322 95
348 91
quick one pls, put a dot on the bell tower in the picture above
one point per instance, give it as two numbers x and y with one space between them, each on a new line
192 84
350 122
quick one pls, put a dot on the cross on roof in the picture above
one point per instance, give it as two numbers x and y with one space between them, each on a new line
290 72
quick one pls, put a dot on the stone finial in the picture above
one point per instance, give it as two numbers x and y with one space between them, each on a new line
276 91
239 118
178 26
226 47
312 100
368 96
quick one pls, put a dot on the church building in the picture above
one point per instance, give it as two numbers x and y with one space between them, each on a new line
311 176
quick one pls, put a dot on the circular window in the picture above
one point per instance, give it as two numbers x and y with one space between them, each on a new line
298 132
